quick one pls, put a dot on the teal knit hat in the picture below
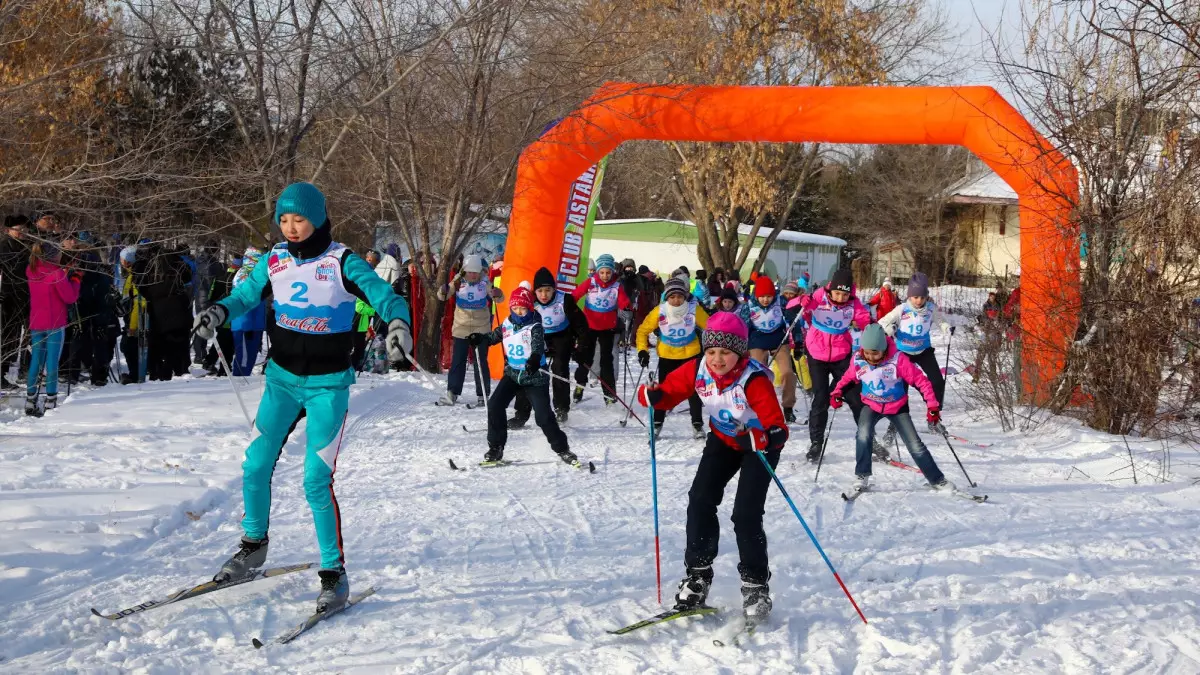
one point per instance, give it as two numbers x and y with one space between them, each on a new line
873 338
606 260
303 199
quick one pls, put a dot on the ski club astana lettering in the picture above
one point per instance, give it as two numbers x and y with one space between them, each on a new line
310 296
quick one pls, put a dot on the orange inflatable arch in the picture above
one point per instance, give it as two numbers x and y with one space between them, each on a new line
977 118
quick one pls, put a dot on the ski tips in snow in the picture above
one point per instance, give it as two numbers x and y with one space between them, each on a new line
663 617
314 619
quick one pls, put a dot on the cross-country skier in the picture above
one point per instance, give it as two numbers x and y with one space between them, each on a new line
910 325
830 312
473 298
315 282
562 321
768 322
729 299
523 338
604 297
678 321
884 375
739 399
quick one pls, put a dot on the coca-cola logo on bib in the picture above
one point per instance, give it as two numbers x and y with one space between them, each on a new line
304 324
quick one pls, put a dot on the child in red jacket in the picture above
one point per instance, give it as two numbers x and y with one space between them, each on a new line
884 374
739 398
604 296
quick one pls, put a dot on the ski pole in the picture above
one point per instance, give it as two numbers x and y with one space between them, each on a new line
950 445
606 387
948 349
778 483
824 443
233 384
654 493
625 419
479 383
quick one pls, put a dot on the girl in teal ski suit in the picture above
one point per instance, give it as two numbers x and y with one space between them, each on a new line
315 283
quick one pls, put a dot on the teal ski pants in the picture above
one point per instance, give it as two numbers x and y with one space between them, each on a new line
323 400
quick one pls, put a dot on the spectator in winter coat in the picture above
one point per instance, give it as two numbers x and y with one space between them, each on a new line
14 294
97 327
653 288
678 322
163 278
884 375
885 300
473 300
133 308
222 286
604 297
247 328
51 290
633 286
716 283
830 313
386 266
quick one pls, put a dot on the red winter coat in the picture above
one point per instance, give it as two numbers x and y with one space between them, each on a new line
601 321
886 300
680 384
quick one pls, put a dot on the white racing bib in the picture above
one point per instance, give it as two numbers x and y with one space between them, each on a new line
766 319
727 410
831 318
472 296
678 333
554 315
602 299
518 344
882 383
309 296
912 336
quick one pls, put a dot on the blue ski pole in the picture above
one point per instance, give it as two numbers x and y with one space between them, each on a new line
654 491
813 537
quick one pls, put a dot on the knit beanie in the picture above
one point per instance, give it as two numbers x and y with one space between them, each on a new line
675 285
842 281
918 285
642 269
873 338
702 275
726 330
302 199
791 287
887 283
764 286
521 297
543 278
473 263
730 293
628 262
605 260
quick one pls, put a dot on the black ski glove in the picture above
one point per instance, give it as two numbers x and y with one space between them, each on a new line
644 358
474 339
533 365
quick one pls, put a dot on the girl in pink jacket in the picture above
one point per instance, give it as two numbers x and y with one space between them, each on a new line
51 291
830 312
884 375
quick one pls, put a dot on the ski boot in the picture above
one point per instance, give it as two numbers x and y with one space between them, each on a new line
658 429
577 395
861 483
698 431
494 454
448 399
756 601
480 401
944 486
251 556
31 407
889 437
568 457
609 401
50 403
335 590
693 590
814 452
561 415
517 422
937 428
789 416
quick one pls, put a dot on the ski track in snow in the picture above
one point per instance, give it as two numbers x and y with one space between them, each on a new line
522 569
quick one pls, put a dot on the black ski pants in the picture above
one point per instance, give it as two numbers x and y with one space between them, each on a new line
825 376
585 353
927 362
718 465
558 346
539 395
666 367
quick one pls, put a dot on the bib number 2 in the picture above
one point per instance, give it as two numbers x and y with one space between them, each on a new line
301 294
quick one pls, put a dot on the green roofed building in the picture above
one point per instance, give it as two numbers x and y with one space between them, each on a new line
664 245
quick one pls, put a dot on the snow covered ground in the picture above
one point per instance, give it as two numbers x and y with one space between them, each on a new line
127 493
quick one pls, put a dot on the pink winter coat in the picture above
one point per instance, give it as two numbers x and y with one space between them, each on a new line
886 393
822 344
50 293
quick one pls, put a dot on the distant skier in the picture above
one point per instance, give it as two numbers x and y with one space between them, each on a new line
739 398
315 282
830 312
885 374
678 321
604 296
474 296
562 321
523 337
910 324
768 320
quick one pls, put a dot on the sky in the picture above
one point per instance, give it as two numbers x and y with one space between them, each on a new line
976 20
